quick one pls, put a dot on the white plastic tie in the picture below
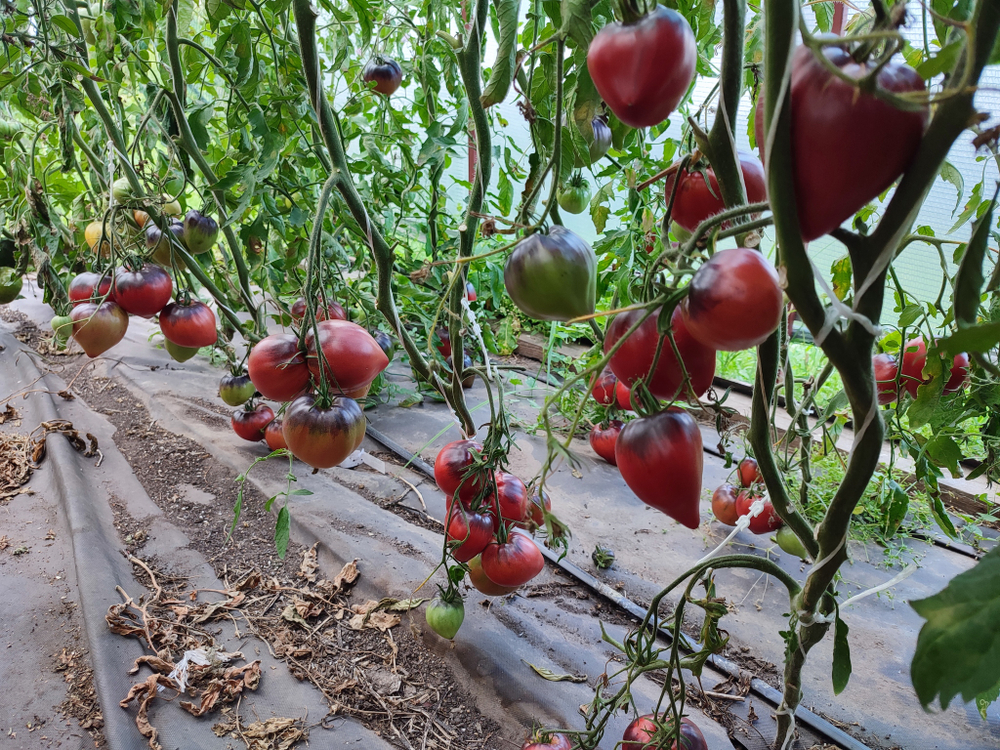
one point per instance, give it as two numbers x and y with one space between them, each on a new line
478 332
179 674
903 575
756 508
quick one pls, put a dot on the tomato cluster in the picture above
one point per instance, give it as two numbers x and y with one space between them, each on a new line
730 504
890 374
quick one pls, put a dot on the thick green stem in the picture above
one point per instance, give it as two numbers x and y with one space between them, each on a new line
305 21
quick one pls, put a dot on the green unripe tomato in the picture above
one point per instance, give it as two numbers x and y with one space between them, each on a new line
63 326
574 196
179 353
445 618
10 285
790 543
122 190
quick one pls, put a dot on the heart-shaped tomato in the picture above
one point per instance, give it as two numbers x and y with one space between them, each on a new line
695 202
642 70
847 145
661 460
468 533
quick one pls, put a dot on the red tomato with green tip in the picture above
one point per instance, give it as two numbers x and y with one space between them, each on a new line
82 287
277 367
483 584
634 359
323 436
454 472
642 70
353 359
661 460
250 424
603 439
144 291
734 301
98 327
749 472
514 562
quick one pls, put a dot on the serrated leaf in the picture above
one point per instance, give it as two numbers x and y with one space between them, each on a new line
942 62
505 193
977 338
502 72
958 648
910 315
969 279
985 699
841 656
944 451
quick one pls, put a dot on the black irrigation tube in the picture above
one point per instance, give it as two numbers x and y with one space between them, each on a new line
816 724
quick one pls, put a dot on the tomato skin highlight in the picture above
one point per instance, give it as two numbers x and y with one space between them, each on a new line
189 324
320 437
273 435
642 70
278 368
694 202
98 327
450 466
634 358
483 584
847 145
143 292
734 301
661 460
603 440
250 425
768 520
886 369
724 504
514 562
355 359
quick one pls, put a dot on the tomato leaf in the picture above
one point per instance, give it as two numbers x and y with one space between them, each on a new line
502 72
841 656
986 698
944 451
548 674
969 279
576 21
958 648
281 531
895 510
942 62
977 338
66 24
949 173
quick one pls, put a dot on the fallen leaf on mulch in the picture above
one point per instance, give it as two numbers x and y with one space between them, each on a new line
551 676
272 734
144 693
9 413
310 564
226 688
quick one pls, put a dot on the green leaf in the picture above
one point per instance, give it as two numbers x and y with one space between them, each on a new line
185 12
577 21
506 193
942 62
923 408
843 276
281 531
824 15
944 451
977 338
898 505
940 514
502 72
949 173
841 656
958 648
986 698
199 120
66 24
969 279
910 315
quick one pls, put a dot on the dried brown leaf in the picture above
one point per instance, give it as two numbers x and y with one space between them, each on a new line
310 564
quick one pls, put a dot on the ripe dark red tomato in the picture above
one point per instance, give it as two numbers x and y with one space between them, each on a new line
749 472
278 368
644 734
847 145
514 562
623 396
190 324
333 310
603 440
355 359
764 523
886 369
734 301
273 435
98 327
483 584
511 498
385 73
604 387
442 342
467 533
724 504
322 437
661 460
914 359
451 470
542 740
143 292
250 425
695 202
634 358
81 288
642 70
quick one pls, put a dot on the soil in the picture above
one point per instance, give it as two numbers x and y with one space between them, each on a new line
388 680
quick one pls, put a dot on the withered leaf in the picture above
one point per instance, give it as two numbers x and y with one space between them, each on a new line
551 676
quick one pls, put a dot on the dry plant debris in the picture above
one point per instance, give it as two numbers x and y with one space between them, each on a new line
20 455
